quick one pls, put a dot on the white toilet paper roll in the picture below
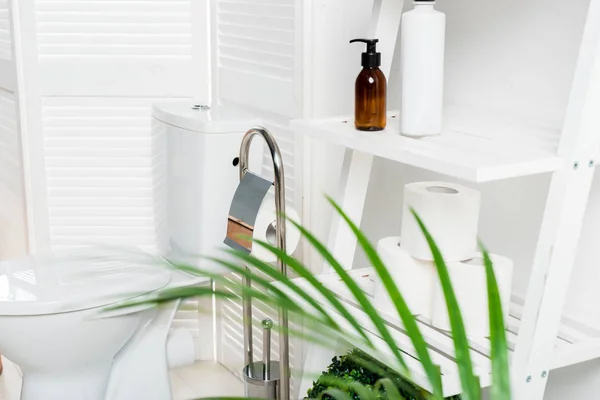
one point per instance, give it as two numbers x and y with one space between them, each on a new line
469 283
414 278
450 213
181 350
264 229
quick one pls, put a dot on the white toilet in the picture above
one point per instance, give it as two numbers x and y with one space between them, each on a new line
53 319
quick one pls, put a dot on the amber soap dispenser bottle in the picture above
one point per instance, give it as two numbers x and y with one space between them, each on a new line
370 91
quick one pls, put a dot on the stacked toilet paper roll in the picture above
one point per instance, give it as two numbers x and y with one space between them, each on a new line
451 214
265 230
414 278
469 282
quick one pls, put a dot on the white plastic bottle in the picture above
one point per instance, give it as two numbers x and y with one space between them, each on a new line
422 47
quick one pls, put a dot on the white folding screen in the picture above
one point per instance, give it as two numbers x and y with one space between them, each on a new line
91 71
256 54
101 66
13 227
5 32
257 63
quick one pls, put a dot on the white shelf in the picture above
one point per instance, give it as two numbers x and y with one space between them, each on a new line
475 146
575 343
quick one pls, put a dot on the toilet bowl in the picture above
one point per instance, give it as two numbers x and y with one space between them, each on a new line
55 325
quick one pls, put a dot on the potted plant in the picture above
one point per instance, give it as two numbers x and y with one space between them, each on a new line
348 367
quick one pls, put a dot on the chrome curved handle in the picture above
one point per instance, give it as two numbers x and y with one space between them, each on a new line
279 183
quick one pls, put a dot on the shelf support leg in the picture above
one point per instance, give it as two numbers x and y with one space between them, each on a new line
563 219
354 182
549 281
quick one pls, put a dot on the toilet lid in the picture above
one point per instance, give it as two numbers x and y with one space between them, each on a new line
75 281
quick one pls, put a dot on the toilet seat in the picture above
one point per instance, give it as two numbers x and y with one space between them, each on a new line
74 282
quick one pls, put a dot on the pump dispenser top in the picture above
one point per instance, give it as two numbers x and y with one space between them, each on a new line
371 58
370 90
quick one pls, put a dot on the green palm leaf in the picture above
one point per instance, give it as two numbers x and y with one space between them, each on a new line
284 292
337 394
499 352
305 273
361 390
358 293
432 371
470 383
390 389
278 276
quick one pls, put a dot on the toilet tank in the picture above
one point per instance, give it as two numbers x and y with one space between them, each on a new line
196 152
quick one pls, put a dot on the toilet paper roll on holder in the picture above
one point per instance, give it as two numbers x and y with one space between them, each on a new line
280 242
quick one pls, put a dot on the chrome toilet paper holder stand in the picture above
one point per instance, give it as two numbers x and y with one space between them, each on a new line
280 242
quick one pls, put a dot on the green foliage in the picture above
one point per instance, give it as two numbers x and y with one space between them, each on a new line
349 368
357 375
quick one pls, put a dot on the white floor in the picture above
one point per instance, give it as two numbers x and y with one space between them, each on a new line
204 379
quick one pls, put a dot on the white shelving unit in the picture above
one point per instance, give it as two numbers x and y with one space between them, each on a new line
479 147
475 145
574 342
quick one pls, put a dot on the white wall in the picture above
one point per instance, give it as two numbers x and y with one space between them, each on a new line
509 57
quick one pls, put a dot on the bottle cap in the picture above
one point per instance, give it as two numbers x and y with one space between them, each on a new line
371 58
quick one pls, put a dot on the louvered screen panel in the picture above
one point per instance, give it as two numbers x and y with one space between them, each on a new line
256 47
99 171
102 65
256 54
5 34
286 141
115 48
11 175
13 233
159 177
114 27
